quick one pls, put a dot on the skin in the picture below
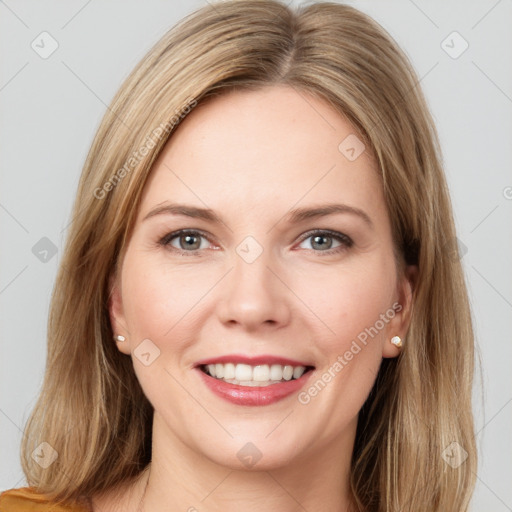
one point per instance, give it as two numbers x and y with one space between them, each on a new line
252 157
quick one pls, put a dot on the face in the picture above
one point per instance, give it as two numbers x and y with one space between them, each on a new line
259 242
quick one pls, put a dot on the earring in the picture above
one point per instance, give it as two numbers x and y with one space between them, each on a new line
118 337
397 341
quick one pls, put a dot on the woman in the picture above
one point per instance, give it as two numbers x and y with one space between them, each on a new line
258 306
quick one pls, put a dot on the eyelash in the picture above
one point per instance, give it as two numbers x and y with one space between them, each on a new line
346 241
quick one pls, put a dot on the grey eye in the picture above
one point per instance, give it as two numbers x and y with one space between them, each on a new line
187 241
321 242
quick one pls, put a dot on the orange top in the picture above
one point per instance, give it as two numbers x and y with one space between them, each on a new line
27 499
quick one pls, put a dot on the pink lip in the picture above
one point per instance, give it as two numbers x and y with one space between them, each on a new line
245 395
253 361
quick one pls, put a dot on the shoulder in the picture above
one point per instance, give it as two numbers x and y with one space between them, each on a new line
27 499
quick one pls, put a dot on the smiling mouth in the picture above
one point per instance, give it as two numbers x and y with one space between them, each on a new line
261 375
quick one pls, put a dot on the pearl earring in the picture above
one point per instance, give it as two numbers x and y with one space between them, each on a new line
118 337
397 341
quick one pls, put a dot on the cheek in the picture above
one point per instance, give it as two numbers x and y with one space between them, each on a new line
353 305
159 302
160 299
145 298
351 299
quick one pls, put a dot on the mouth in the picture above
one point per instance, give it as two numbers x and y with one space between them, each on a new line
260 375
249 381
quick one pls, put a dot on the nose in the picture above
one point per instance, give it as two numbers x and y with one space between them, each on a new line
253 296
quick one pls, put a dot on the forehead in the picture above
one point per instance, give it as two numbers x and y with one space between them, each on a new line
270 148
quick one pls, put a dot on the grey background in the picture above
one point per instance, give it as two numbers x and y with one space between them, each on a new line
50 109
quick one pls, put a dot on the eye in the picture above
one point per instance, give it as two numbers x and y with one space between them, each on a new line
324 241
189 242
185 241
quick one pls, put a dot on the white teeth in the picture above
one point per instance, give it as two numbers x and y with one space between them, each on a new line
252 383
287 372
243 372
259 375
276 372
229 371
219 370
298 371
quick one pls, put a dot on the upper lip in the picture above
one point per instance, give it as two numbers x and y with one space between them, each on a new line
252 360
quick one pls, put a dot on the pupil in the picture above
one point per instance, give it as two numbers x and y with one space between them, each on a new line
318 239
190 240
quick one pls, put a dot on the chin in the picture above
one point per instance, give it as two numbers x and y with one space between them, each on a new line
254 453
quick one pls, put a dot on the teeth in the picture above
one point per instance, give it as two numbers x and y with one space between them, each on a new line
287 372
276 372
229 371
242 372
260 375
219 370
298 371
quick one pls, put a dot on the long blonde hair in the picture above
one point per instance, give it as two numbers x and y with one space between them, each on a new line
92 410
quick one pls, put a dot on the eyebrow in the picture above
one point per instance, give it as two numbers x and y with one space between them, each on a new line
293 216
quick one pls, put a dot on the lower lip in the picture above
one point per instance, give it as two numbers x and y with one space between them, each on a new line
245 395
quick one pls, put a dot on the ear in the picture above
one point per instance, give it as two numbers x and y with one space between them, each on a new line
116 313
399 324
